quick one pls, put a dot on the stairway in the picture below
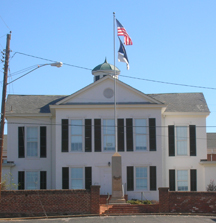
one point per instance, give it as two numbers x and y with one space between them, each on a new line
121 209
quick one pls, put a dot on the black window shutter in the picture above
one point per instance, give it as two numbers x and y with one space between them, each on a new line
43 180
192 140
88 135
88 177
120 135
21 180
171 138
193 179
129 134
153 178
97 135
130 178
172 180
43 152
65 135
21 142
152 134
65 177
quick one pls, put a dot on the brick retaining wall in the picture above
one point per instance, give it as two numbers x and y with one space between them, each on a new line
49 202
66 202
186 201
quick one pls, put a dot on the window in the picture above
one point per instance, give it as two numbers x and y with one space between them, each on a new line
182 140
32 180
140 134
108 135
32 141
76 178
141 178
182 180
76 135
97 78
79 178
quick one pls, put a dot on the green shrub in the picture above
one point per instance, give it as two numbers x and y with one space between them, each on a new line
134 201
146 202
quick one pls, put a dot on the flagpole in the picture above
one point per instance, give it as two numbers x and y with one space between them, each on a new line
115 85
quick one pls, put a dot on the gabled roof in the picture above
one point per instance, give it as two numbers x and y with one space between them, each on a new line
183 102
39 104
86 92
31 104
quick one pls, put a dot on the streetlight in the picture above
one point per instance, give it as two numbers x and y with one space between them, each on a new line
56 64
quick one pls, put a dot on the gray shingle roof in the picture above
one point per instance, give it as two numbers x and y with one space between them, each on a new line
31 104
183 102
34 104
211 140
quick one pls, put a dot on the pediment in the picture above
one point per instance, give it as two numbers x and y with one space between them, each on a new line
102 91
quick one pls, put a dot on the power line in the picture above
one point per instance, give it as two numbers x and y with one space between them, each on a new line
103 126
4 22
163 82
53 124
137 78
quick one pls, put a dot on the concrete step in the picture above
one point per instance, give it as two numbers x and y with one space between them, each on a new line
123 209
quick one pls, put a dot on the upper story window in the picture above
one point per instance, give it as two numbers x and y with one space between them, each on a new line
140 134
132 135
76 135
109 135
182 140
32 141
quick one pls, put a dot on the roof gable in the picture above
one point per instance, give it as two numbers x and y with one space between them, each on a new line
102 91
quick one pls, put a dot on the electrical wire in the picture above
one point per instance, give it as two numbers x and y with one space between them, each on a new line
4 22
102 126
137 78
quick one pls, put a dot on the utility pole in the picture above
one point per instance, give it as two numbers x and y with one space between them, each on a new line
4 91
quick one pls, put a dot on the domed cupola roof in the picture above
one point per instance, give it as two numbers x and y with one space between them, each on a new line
105 67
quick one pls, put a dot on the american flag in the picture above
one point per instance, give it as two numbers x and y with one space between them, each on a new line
122 32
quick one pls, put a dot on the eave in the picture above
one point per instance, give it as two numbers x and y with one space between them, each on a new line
106 106
28 115
186 113
208 163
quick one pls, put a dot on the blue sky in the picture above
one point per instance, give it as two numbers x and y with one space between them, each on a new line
173 41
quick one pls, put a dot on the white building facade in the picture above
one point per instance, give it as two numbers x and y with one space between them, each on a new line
67 142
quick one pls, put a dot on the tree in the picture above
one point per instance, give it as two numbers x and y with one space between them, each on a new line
211 186
8 182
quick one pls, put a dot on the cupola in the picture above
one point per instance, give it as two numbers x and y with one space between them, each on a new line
105 69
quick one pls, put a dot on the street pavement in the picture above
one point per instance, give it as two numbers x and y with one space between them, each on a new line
122 219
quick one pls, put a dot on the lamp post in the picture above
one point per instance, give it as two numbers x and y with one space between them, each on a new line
4 91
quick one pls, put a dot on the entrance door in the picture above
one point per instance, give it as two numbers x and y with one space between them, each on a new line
105 180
